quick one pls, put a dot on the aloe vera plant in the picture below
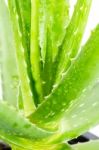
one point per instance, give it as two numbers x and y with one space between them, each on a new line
50 83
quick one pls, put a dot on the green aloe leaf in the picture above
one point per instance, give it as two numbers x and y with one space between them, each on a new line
8 64
81 115
35 49
82 74
18 143
23 9
54 24
60 21
54 16
27 94
72 40
92 145
21 144
15 124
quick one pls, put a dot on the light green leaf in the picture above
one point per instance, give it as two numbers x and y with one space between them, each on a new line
13 123
81 115
23 144
72 40
8 66
27 96
35 50
23 9
54 21
18 143
59 22
54 16
82 74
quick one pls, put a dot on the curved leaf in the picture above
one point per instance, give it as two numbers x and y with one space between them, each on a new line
35 50
54 16
13 123
28 100
8 64
70 46
82 74
81 115
54 25
22 144
23 9
17 143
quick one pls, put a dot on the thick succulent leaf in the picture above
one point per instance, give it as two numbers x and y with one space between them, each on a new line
81 115
72 40
18 143
8 66
93 145
27 96
59 22
54 16
13 123
35 50
82 74
41 146
48 147
23 9
53 25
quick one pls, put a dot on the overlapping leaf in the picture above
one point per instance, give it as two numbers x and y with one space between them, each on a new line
27 96
72 40
55 20
54 16
23 10
19 143
8 64
82 74
13 123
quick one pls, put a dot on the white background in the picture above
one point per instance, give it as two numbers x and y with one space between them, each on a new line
92 22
